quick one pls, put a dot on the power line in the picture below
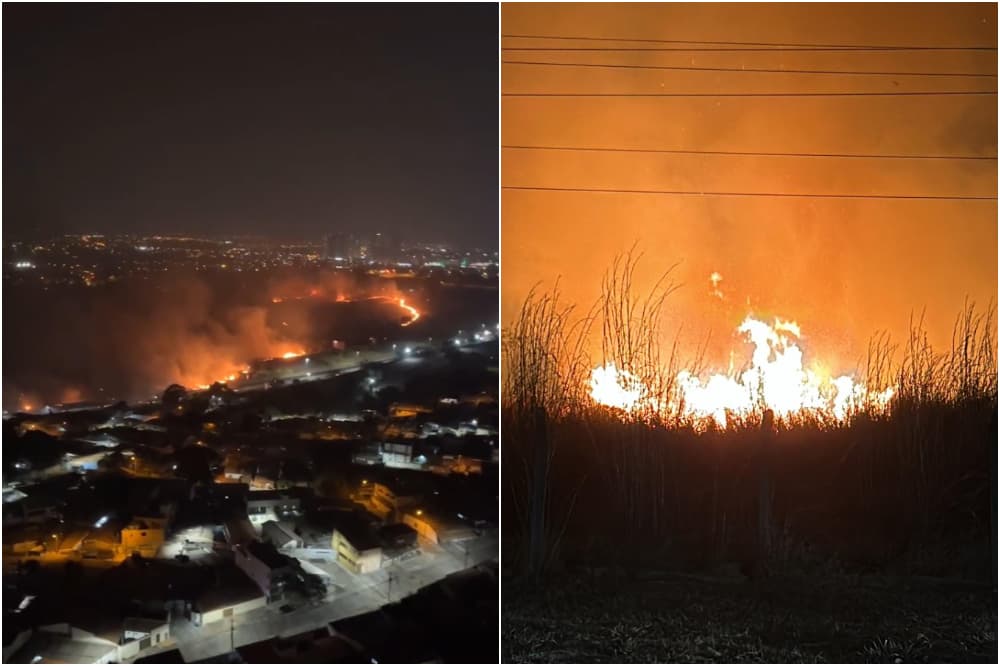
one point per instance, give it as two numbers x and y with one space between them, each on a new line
747 153
744 69
771 44
747 49
787 195
762 94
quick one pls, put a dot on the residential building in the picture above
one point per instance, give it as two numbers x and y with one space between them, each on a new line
233 594
148 632
355 545
265 566
437 527
144 536
271 502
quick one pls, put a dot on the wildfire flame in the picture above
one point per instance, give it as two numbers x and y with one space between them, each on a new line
344 298
414 313
776 379
227 372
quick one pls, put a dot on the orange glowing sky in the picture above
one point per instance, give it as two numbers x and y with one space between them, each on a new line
842 268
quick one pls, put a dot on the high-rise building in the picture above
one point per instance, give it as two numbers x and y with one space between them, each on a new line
340 246
344 247
384 247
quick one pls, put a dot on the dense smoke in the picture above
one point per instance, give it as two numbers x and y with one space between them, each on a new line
130 340
843 269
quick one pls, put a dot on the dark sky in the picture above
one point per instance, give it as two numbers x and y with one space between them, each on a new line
288 121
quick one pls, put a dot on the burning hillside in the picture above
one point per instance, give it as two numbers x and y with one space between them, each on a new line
129 340
286 349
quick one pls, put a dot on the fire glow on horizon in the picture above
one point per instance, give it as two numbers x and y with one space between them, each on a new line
288 351
413 313
776 379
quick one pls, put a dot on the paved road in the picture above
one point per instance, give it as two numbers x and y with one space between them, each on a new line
349 594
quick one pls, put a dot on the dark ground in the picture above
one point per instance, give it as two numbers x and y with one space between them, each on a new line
660 617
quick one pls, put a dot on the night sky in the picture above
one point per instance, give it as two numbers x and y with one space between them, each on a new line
288 121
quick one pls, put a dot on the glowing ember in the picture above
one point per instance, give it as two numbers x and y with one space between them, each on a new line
293 354
715 279
776 379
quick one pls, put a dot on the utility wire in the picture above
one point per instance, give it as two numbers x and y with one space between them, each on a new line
732 43
762 94
787 195
744 69
748 153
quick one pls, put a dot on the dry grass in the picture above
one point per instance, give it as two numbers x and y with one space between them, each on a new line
876 489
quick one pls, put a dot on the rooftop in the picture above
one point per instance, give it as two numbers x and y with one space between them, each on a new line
277 533
231 587
357 531
142 624
267 554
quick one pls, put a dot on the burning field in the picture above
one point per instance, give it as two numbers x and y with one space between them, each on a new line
648 455
652 481
128 341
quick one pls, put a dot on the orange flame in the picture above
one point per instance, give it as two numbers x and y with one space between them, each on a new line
414 313
776 379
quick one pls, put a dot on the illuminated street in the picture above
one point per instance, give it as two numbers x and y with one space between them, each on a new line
349 595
